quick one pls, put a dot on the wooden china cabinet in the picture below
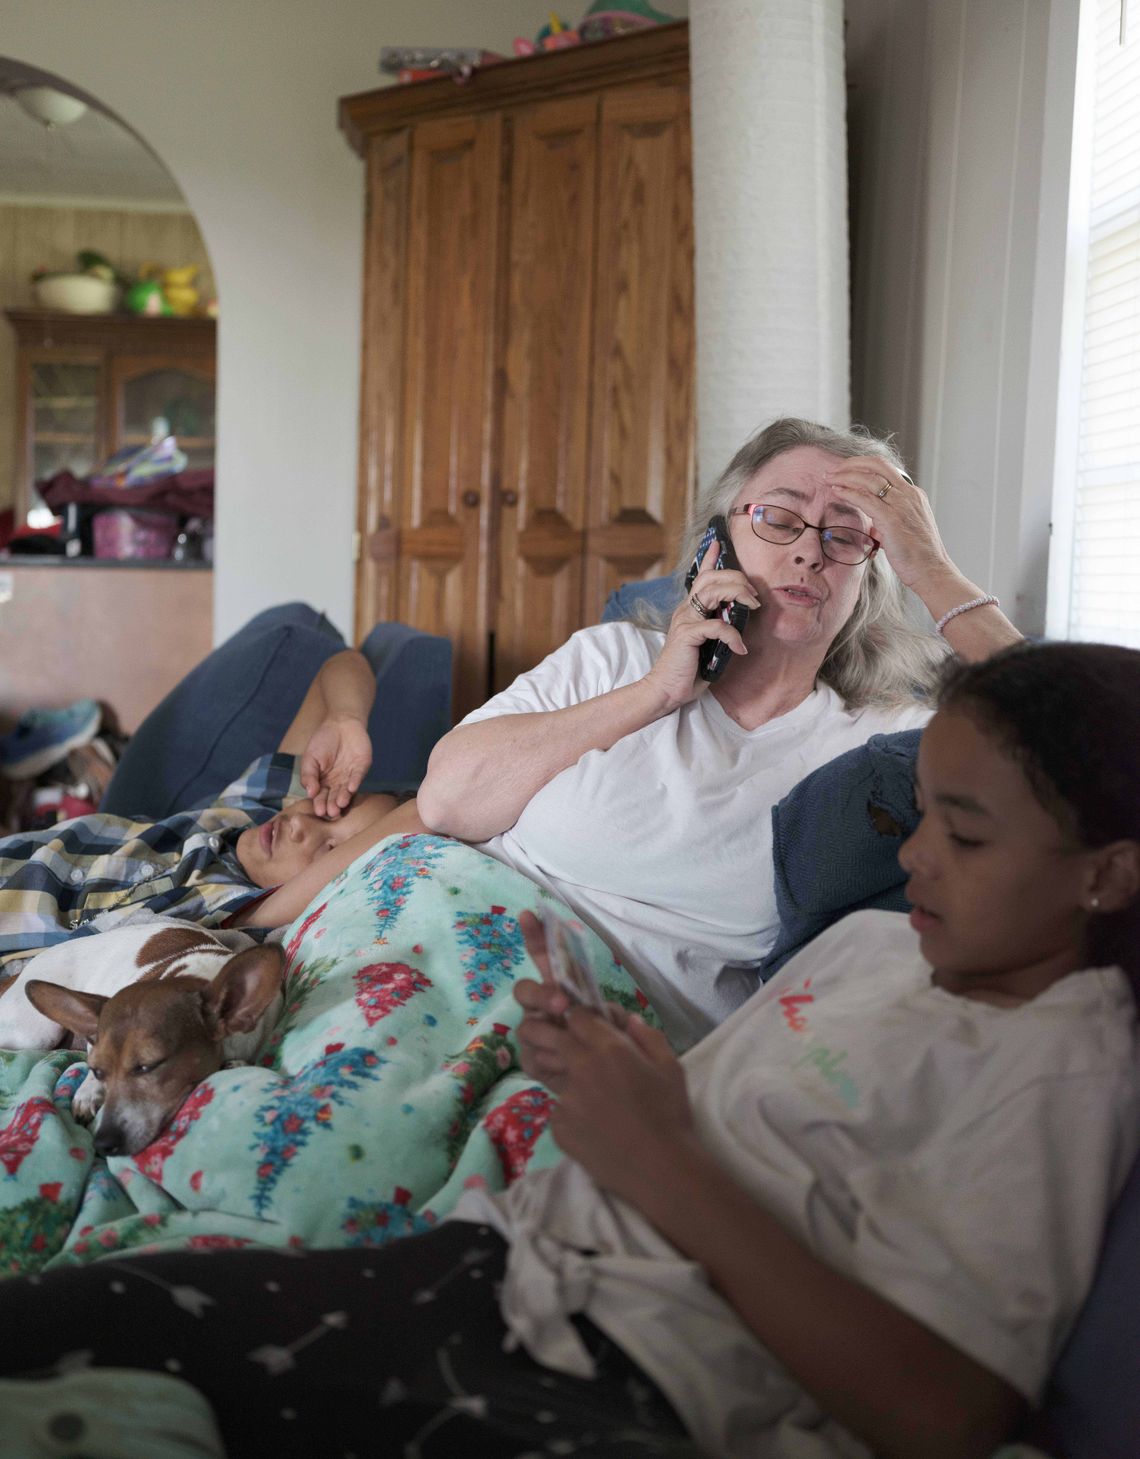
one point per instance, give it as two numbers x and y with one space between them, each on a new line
123 631
527 426
89 384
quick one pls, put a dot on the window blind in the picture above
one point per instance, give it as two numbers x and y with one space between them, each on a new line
1105 592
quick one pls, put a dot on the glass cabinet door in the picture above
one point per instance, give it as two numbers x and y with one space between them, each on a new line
183 397
64 428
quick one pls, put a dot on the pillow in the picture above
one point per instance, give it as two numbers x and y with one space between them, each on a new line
655 593
836 838
236 705
413 702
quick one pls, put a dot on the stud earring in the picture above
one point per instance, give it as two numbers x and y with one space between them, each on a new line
1094 904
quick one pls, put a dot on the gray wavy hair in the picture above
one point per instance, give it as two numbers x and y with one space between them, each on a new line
879 656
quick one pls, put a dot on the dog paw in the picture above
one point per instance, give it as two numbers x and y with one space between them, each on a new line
88 1100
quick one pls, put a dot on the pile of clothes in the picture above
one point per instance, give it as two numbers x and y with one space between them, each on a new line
57 763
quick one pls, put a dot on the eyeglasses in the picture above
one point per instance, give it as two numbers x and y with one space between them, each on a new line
777 524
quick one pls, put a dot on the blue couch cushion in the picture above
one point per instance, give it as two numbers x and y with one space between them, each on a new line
240 700
236 705
413 702
836 839
1091 1409
657 593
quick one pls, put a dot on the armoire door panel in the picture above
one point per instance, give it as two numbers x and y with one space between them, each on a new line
550 584
546 379
449 344
642 413
622 551
381 376
527 400
609 573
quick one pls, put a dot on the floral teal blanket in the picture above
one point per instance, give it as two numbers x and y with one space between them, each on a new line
390 1083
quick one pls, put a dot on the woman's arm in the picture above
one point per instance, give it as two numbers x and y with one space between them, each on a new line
903 521
481 776
624 1114
330 732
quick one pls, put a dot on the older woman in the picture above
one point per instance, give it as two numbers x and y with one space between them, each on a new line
621 781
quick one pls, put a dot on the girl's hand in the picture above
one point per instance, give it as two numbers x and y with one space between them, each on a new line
622 1103
901 518
334 763
545 1003
674 675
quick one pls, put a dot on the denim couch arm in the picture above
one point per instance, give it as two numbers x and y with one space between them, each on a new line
239 701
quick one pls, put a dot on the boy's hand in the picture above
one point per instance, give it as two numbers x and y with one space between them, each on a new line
335 761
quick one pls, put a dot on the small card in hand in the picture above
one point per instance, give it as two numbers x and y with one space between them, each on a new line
570 960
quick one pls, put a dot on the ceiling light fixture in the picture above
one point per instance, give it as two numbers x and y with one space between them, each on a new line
50 107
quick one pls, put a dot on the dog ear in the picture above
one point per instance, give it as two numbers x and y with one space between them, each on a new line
243 990
70 1009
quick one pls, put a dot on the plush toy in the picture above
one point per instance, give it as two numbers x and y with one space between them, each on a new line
178 288
553 37
604 20
163 291
144 296
599 23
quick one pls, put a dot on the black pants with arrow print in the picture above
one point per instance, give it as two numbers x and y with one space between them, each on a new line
394 1352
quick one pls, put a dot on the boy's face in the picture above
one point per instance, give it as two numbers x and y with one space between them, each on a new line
272 853
998 889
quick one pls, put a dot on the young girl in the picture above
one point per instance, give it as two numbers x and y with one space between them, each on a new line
860 1216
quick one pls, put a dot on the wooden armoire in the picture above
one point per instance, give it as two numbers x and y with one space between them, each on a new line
527 416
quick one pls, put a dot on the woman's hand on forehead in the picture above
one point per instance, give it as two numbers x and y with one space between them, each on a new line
901 517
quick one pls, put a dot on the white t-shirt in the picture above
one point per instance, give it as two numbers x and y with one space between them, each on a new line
957 1158
663 843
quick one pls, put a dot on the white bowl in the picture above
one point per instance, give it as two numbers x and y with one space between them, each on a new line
76 293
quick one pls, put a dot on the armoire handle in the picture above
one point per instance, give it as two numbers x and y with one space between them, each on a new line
470 498
510 498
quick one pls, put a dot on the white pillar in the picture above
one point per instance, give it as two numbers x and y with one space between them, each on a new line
770 198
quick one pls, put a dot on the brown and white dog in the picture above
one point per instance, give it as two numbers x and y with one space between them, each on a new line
161 1004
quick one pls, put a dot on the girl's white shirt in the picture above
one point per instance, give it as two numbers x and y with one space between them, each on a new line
956 1158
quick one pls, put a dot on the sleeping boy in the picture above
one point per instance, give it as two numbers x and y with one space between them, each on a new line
255 856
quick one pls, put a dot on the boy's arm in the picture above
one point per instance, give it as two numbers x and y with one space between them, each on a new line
287 902
330 732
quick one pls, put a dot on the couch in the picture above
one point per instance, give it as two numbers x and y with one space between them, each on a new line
836 839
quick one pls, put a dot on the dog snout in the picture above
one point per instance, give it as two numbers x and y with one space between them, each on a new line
110 1140
125 1128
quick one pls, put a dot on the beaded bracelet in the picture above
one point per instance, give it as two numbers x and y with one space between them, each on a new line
965 608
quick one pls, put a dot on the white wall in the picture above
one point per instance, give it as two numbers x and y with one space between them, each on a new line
960 114
238 98
770 213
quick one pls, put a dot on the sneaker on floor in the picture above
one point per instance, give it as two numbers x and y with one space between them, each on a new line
44 736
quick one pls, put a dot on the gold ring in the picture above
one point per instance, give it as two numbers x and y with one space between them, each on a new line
887 485
700 607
